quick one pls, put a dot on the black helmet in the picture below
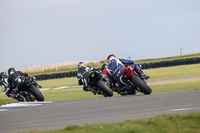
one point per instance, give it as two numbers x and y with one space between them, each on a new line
104 66
11 71
2 74
111 57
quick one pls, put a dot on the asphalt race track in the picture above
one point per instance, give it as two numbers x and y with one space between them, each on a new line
60 114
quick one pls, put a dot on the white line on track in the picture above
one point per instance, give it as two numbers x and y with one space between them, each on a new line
60 88
21 105
183 109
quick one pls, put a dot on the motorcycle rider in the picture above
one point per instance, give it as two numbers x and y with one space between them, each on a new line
116 68
4 83
16 80
82 76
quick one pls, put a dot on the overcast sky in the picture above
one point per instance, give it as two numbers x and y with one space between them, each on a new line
35 32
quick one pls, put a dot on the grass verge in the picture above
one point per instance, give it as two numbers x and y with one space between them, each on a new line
166 123
52 83
175 86
5 100
173 72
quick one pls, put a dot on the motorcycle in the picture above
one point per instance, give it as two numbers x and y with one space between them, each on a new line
134 83
29 91
96 81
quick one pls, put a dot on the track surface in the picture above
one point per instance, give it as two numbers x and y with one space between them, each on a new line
60 114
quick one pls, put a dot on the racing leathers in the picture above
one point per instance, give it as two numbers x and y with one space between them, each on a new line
82 76
4 83
104 71
16 80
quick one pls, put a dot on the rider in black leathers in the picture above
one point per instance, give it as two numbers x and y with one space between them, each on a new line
83 74
17 80
4 82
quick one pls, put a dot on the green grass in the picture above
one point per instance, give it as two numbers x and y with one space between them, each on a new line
173 72
59 82
69 94
5 100
175 86
166 123
65 69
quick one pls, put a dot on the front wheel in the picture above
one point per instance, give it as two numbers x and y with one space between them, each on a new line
38 95
142 85
106 90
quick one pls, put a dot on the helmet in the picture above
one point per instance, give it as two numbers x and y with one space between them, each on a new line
11 71
111 57
104 66
2 74
80 64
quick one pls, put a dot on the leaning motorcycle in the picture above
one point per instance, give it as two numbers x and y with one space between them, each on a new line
29 91
134 82
96 82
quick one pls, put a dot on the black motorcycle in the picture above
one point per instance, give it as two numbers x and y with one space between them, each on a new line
29 91
96 81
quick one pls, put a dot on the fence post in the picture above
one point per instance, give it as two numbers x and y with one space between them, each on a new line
181 52
42 68
56 68
160 54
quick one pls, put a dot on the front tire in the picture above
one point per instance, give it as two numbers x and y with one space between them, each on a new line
38 95
141 84
106 90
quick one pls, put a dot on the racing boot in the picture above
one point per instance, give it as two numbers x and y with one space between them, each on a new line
142 75
122 91
89 89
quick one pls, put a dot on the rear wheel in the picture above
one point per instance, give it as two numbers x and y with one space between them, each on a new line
38 95
106 90
142 85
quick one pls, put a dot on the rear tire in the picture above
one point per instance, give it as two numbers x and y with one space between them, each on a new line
106 90
142 85
38 95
